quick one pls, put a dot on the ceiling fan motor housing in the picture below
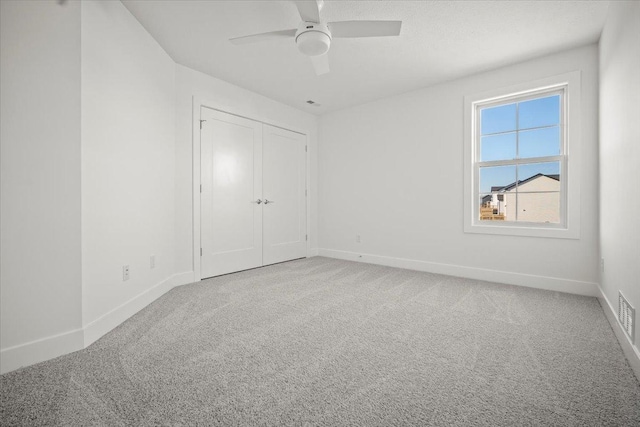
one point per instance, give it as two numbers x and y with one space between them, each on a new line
313 38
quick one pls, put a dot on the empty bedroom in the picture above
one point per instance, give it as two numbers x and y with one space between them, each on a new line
309 212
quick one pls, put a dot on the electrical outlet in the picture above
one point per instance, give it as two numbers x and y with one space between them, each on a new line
357 238
125 273
152 261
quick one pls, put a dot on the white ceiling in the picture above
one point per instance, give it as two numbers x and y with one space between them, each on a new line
439 41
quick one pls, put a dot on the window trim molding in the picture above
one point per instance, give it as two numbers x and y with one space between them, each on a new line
570 228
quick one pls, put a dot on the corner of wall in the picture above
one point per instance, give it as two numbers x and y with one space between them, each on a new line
109 321
40 350
68 342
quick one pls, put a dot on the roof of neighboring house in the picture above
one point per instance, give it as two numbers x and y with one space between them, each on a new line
531 178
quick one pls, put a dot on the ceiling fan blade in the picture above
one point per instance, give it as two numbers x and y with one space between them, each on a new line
271 35
309 9
320 64
365 28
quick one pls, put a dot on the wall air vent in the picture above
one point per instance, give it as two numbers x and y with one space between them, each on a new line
626 316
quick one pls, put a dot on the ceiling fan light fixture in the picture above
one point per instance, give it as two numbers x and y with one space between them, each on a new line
313 36
313 39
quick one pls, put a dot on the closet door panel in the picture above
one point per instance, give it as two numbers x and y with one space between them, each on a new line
231 177
284 182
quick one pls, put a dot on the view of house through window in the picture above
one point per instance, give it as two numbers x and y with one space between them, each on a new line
519 159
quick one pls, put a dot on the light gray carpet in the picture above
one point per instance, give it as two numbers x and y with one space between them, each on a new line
327 342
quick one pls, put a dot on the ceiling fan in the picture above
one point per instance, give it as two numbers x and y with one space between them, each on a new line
313 37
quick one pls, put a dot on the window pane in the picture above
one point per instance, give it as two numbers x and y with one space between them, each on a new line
498 119
498 147
539 177
492 207
539 207
539 142
496 178
539 112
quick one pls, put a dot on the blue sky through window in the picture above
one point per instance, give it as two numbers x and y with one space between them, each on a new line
539 142
504 137
539 112
498 119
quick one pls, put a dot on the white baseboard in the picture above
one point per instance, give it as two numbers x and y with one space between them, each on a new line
312 252
16 357
630 351
107 322
47 348
511 278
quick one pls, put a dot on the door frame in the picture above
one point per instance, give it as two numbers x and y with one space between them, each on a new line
197 104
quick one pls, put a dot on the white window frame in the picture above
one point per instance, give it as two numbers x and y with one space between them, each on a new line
568 86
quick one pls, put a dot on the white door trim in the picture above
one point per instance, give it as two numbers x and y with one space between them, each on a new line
198 103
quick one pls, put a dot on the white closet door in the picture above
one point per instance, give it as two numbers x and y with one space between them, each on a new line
284 210
231 177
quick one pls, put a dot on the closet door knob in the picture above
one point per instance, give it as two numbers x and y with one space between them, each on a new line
266 202
258 201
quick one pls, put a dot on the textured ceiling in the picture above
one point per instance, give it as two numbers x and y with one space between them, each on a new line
439 41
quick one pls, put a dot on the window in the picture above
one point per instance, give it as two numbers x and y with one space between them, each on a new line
520 158
517 160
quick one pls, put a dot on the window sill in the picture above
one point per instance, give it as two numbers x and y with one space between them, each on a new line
557 232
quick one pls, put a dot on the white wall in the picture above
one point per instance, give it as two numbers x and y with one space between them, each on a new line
128 153
392 172
94 174
189 84
620 155
40 291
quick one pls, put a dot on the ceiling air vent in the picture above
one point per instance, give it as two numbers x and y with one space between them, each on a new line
626 316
